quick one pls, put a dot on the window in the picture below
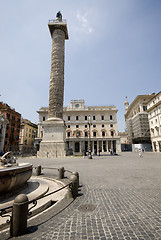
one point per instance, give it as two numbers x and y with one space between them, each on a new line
94 126
68 134
43 119
8 115
110 117
86 134
68 126
13 118
7 127
85 126
85 118
102 117
94 117
68 118
94 134
77 118
111 125
112 133
103 125
144 108
77 126
103 134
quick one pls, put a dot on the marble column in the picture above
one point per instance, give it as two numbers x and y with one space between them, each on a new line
53 143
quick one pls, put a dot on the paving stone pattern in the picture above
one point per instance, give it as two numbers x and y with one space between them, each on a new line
127 201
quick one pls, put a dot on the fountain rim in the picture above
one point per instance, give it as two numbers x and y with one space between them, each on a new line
18 168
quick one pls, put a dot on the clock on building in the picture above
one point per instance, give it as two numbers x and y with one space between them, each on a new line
77 105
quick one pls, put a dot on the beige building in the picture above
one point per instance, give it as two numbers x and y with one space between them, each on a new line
136 118
28 133
84 124
154 116
123 137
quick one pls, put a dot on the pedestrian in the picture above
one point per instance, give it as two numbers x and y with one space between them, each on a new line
140 153
99 152
95 152
84 153
110 151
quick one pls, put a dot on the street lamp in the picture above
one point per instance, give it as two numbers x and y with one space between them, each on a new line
89 138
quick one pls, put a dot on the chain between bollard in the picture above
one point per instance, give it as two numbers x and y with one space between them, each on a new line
3 213
20 208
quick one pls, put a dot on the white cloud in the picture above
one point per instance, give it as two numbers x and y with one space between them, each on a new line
84 24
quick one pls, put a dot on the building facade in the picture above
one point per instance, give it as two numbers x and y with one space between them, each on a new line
13 127
3 124
95 126
137 122
123 137
154 116
125 146
28 133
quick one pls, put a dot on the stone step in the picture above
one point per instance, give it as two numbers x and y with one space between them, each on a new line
37 187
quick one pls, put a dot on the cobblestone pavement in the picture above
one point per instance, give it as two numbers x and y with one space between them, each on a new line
120 198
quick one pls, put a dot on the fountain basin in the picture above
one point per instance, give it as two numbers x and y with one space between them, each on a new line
11 178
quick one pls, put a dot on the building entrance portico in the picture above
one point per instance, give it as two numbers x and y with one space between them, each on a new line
104 146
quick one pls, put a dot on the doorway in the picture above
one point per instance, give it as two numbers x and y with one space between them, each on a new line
77 147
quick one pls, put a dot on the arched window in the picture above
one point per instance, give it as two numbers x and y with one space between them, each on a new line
103 133
94 134
86 134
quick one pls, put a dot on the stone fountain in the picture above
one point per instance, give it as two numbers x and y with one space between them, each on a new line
13 175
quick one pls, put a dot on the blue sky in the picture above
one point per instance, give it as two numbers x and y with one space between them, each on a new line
113 51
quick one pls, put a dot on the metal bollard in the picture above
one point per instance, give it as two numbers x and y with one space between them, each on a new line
74 181
38 170
19 216
77 175
61 173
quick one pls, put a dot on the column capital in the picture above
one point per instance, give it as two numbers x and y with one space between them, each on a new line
57 24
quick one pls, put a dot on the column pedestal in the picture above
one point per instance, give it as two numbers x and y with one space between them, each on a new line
53 143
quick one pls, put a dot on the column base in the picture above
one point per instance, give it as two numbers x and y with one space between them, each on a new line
52 150
53 143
